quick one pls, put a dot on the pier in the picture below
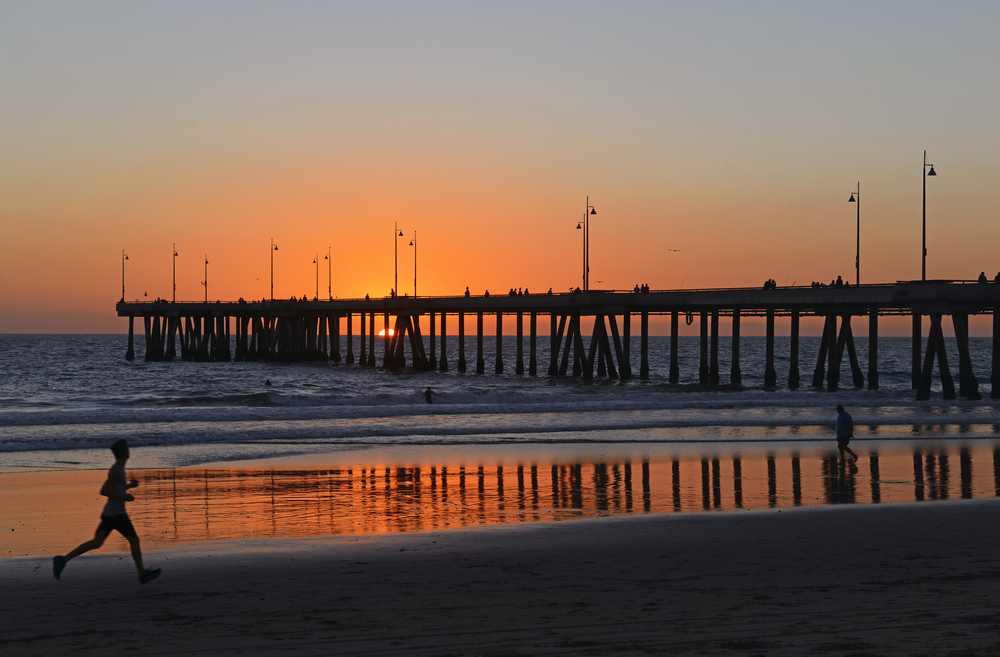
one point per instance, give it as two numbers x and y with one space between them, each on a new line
292 330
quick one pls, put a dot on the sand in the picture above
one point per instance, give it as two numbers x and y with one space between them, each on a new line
903 579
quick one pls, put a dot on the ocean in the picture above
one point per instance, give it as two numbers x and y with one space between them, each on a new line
65 398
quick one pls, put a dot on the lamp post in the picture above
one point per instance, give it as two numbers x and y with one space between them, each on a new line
205 282
329 273
586 240
174 261
413 243
579 226
316 262
396 234
124 258
274 247
923 257
856 198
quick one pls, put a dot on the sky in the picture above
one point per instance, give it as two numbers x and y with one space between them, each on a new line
719 143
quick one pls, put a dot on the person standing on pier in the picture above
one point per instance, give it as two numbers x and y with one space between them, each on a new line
845 431
113 517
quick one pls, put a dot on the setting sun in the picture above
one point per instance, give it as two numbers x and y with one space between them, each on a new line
382 333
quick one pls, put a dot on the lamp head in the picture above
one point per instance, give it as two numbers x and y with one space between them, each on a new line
275 247
579 226
851 200
326 257
593 211
931 172
411 242
126 257
400 233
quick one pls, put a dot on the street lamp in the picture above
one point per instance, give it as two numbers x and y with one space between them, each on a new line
857 253
586 249
205 282
923 261
316 262
583 234
329 273
413 243
174 261
395 252
124 258
274 247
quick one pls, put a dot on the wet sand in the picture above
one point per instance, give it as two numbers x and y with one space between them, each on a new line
900 579
337 495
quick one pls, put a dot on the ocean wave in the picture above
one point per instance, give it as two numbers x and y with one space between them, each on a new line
439 426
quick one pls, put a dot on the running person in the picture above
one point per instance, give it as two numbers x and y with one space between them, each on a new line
113 517
845 431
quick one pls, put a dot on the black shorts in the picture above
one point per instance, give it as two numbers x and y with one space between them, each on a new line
842 442
119 522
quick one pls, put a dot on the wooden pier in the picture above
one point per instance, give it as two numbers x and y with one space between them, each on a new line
291 330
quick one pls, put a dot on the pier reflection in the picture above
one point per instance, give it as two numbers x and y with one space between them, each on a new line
220 504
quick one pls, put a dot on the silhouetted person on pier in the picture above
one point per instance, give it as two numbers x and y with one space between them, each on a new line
113 517
487 294
429 395
525 291
549 293
392 293
840 282
466 291
982 278
997 278
845 431
366 298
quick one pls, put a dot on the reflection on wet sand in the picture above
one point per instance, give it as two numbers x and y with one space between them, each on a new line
198 505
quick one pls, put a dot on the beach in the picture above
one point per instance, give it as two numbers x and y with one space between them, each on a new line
901 579
336 512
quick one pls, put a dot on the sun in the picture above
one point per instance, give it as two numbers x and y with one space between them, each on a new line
382 333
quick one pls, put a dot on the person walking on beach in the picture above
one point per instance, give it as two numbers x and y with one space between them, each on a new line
113 517
845 431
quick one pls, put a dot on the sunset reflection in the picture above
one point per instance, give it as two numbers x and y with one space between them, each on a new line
196 505
190 505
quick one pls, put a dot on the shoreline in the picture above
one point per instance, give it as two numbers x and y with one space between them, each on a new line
862 579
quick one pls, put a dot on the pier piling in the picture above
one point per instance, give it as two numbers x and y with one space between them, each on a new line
713 369
703 374
461 343
443 367
480 362
735 373
770 376
675 371
533 344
